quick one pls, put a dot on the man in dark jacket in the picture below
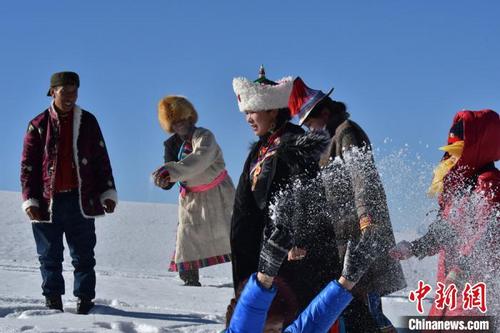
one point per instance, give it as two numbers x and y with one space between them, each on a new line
66 181
357 205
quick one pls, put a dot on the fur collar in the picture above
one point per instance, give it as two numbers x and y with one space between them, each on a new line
297 146
303 148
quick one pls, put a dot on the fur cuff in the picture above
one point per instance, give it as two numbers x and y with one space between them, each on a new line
109 194
30 202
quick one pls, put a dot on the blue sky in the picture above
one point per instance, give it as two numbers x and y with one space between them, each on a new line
403 68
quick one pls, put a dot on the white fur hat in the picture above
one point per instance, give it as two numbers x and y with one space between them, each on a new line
254 96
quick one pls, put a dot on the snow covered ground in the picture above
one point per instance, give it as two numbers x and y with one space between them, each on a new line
135 293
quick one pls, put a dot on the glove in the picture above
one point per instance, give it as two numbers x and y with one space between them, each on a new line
275 250
358 258
161 177
362 253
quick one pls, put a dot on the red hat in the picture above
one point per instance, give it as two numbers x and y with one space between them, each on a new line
303 99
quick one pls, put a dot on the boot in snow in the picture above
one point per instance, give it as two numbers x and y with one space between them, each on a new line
83 305
54 302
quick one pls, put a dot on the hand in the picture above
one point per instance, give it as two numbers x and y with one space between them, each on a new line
161 177
296 254
265 280
33 213
109 206
346 283
275 250
401 251
455 276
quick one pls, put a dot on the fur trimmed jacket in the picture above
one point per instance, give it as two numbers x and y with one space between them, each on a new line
296 156
39 160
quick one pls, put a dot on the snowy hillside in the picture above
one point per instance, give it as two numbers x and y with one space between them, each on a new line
135 293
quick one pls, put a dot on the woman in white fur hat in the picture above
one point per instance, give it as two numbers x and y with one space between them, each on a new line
282 153
194 160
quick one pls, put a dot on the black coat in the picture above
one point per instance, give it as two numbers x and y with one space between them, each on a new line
296 156
361 193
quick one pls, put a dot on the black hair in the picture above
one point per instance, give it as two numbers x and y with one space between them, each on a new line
283 116
337 108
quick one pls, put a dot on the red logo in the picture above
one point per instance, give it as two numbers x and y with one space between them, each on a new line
419 294
475 296
446 296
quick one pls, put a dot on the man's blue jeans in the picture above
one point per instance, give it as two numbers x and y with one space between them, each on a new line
80 235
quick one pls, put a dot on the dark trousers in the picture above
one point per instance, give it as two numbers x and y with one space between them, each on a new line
364 315
81 239
357 317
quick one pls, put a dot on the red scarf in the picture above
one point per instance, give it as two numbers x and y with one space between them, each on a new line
265 151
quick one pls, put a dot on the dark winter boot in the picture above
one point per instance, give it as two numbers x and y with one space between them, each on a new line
54 302
83 305
192 283
191 278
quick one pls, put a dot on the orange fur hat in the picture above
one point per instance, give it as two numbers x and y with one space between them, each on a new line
172 109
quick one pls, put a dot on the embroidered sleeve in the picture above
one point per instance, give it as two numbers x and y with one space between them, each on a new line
104 173
31 167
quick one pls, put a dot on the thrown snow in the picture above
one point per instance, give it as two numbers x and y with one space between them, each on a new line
135 292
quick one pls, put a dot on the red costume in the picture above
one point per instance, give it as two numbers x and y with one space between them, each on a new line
466 232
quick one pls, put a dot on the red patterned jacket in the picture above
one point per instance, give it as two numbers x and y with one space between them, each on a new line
39 161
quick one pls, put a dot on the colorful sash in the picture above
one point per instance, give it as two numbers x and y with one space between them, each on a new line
205 187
